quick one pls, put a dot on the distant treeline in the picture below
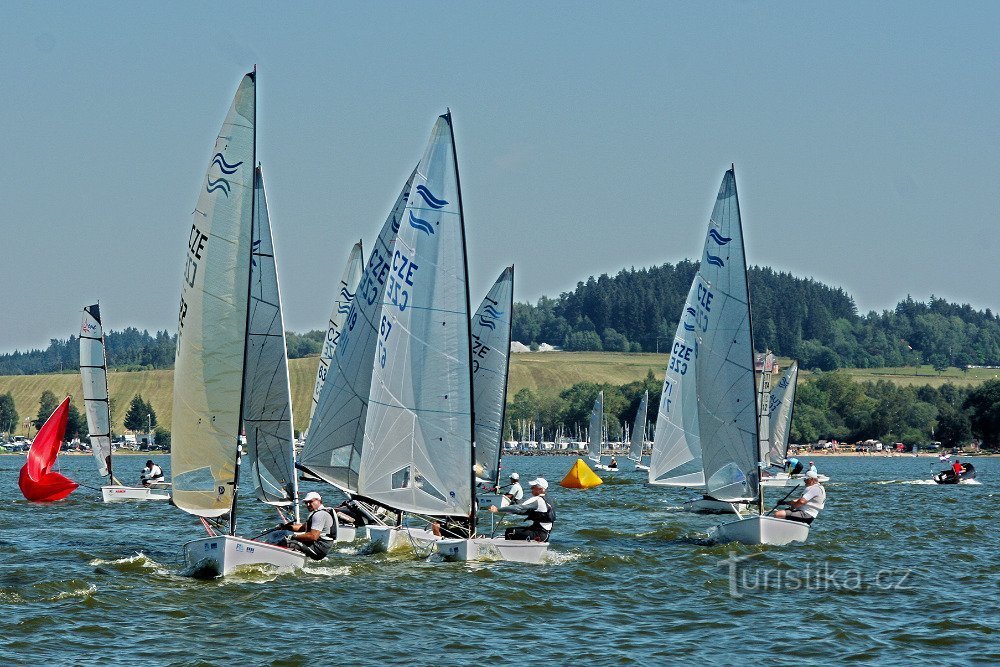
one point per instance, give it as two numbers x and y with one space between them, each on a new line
637 311
829 406
128 350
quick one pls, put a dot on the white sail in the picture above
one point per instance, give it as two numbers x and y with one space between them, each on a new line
596 430
212 320
639 430
336 433
490 365
418 436
346 290
94 372
267 402
727 404
676 457
781 407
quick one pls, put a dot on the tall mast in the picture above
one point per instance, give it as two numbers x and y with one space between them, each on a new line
468 325
246 323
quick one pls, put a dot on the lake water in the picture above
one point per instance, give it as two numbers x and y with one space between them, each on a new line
896 570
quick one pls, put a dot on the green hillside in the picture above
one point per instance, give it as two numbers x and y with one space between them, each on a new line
542 372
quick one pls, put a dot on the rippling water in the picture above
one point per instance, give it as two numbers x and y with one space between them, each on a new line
894 570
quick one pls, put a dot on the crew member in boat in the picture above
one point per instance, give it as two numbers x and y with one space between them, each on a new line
806 508
538 509
151 474
318 530
812 468
613 464
958 468
514 492
349 513
793 466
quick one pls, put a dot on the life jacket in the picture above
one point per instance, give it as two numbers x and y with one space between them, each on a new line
538 517
332 536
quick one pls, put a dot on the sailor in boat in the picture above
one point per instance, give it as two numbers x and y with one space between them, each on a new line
319 529
350 514
793 466
613 464
514 492
151 474
806 508
538 509
812 468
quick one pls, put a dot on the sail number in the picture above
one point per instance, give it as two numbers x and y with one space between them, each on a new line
479 351
197 241
383 337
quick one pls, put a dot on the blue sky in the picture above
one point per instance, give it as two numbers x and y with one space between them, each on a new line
591 137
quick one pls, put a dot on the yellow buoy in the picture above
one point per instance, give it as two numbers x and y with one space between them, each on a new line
580 476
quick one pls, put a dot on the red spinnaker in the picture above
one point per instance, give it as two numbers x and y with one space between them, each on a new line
37 481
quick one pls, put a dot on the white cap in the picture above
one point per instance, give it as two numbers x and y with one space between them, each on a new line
539 482
514 476
312 495
812 474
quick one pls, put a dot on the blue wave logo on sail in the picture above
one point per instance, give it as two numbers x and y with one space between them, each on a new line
220 160
218 184
347 295
690 311
719 238
489 316
422 225
429 197
712 259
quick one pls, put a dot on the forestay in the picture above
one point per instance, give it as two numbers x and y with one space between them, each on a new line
639 430
490 364
212 320
782 403
676 457
341 308
418 435
595 432
94 373
267 405
727 406
336 433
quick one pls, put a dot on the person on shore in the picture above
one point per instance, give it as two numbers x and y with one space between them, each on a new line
515 493
151 474
319 529
538 509
806 508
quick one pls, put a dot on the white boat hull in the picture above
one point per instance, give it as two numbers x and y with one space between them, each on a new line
492 548
712 506
784 480
396 538
639 466
219 556
761 530
117 494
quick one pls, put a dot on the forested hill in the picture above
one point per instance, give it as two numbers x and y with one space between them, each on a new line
637 310
800 318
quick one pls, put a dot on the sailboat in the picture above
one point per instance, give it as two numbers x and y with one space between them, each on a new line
395 424
723 361
638 439
595 433
37 481
230 369
778 416
341 307
94 373
491 326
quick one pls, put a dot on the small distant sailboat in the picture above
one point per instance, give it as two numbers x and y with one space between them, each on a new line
595 433
231 366
94 373
37 481
776 422
638 440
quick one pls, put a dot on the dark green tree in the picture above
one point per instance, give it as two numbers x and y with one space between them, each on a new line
984 406
9 419
140 414
47 404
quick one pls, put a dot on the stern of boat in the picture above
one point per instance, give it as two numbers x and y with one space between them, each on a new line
221 555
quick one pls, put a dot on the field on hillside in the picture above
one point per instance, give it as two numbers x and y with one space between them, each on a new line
541 372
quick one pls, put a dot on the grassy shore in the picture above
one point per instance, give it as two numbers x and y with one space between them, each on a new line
542 372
